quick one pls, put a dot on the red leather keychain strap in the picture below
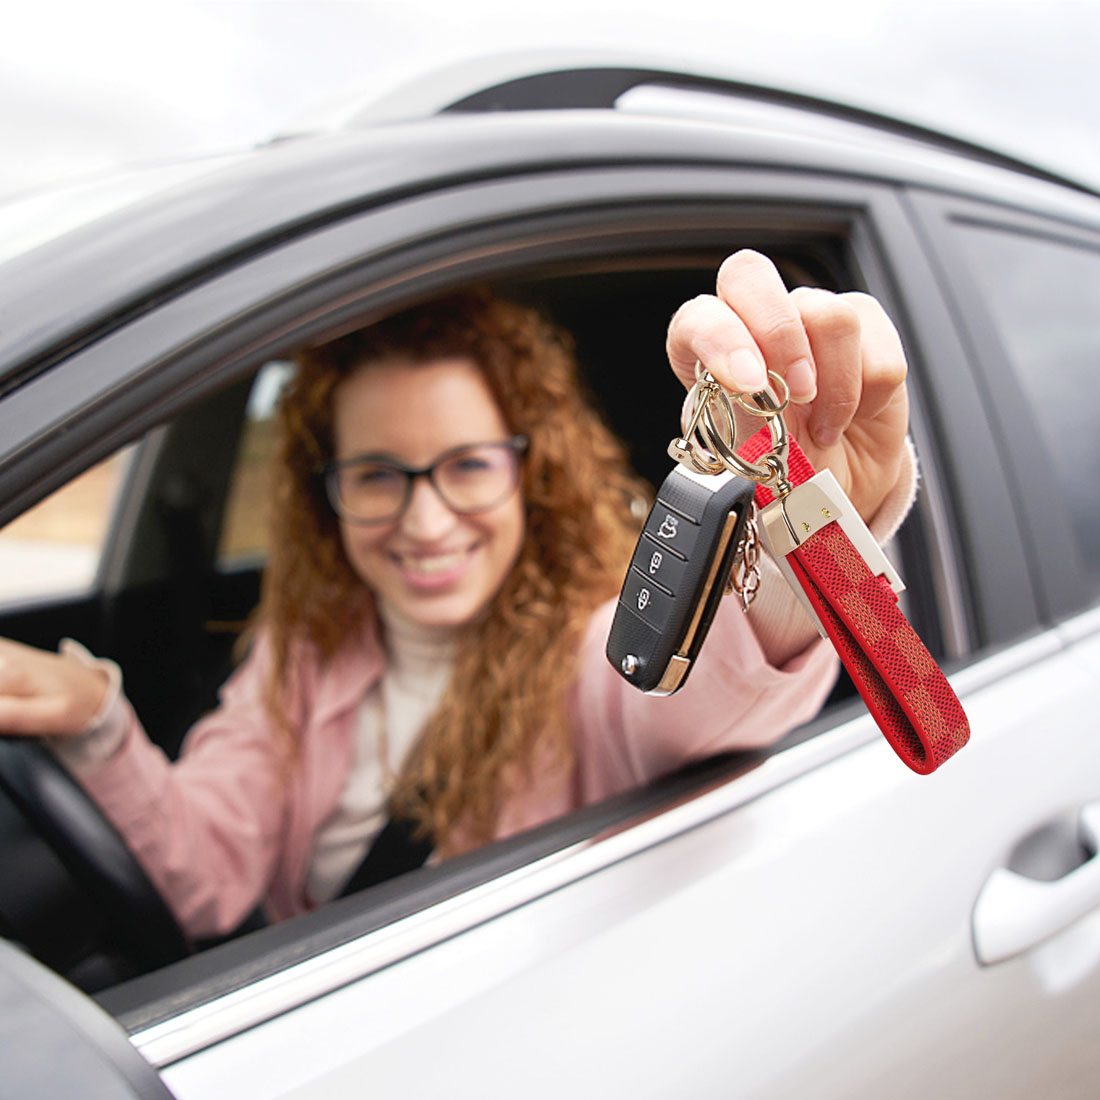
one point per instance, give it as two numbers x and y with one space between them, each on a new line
899 680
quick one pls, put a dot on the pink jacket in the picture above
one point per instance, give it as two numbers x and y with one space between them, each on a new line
222 828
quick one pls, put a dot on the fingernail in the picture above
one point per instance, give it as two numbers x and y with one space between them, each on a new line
802 382
747 372
826 437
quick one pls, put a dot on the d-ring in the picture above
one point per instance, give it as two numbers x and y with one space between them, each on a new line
694 447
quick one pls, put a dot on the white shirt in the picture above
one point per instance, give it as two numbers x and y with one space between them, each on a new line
391 716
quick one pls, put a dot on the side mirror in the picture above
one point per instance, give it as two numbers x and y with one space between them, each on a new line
56 1043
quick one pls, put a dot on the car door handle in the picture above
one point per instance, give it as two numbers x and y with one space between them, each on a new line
1014 912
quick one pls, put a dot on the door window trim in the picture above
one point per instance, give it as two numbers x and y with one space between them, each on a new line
336 278
1042 518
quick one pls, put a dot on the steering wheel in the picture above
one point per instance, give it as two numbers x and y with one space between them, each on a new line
59 811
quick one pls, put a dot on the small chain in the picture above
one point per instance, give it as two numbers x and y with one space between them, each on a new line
745 575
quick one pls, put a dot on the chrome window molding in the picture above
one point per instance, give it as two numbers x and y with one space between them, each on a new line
1080 627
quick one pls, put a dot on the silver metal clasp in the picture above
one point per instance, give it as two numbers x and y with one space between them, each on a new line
805 509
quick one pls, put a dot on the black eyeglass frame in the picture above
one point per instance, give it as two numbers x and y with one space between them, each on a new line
329 471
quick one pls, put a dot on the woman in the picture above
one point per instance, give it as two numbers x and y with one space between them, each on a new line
453 525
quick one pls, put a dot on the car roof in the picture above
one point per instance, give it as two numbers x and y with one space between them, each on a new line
643 85
204 215
570 79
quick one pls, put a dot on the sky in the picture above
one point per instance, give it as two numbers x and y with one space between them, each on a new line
86 87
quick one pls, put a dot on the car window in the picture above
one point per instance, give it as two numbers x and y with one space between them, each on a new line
244 530
57 545
1044 298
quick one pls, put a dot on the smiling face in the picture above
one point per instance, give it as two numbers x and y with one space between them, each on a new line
431 565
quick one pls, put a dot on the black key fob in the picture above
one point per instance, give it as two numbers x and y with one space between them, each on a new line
677 576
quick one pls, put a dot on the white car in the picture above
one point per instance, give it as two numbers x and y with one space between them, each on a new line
815 921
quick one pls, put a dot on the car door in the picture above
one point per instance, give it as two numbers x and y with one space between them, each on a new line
799 926
806 929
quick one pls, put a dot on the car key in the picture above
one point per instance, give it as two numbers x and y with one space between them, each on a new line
822 547
680 570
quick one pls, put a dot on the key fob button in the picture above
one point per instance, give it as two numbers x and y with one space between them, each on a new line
671 530
648 600
655 561
682 495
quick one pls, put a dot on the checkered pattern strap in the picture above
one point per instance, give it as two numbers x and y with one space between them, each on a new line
899 680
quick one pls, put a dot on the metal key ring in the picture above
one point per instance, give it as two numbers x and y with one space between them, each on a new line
719 450
751 471
724 444
779 383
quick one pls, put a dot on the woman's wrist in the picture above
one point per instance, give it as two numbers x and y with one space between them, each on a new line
897 503
103 732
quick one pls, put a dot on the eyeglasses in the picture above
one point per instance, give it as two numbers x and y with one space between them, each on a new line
470 479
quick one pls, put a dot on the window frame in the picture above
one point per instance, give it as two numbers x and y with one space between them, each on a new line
313 286
1041 516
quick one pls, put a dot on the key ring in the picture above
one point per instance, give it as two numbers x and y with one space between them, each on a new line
770 408
718 449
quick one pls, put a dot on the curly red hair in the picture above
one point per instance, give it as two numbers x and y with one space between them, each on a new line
506 701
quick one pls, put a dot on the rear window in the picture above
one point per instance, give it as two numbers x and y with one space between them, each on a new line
1044 298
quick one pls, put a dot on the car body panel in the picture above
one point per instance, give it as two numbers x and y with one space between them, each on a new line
865 846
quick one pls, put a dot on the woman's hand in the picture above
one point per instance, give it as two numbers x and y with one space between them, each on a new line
839 354
47 694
